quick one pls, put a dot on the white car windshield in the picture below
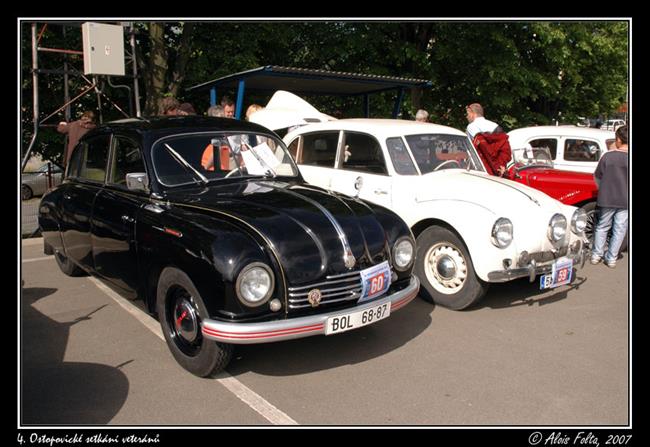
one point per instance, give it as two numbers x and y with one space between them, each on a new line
532 156
206 157
434 152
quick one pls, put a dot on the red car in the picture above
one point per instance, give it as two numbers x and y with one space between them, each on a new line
534 167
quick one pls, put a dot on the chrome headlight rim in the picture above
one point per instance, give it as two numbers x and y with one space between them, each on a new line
579 219
399 241
557 221
502 223
241 277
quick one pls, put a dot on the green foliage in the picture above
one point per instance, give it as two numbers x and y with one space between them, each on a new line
523 73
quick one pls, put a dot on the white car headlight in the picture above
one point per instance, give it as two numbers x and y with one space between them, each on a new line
403 254
579 221
557 228
502 232
255 284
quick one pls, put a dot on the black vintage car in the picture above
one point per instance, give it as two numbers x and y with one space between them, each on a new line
210 223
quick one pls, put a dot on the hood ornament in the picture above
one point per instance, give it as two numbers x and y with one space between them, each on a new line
314 296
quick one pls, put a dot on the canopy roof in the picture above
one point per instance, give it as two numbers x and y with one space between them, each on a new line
311 82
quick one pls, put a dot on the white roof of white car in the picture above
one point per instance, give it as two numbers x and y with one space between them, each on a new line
383 128
565 131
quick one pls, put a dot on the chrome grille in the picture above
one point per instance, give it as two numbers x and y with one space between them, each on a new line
335 289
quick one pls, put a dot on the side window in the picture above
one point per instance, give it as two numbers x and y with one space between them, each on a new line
363 153
319 149
293 149
400 157
581 150
76 159
128 160
550 143
93 167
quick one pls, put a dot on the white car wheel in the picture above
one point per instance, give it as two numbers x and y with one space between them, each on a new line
446 268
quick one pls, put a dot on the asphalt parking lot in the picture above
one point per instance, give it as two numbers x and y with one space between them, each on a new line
521 357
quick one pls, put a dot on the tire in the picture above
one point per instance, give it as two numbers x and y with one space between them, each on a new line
457 287
26 192
180 311
67 266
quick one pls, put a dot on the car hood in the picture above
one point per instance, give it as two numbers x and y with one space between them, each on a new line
498 195
308 228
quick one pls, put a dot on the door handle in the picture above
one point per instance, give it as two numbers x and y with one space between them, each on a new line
127 219
67 196
380 192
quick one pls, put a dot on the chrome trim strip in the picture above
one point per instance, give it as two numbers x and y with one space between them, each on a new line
292 328
318 284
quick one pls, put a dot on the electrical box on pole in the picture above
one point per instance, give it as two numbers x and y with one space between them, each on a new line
103 47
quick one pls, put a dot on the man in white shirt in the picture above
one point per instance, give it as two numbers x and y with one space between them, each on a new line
477 122
490 141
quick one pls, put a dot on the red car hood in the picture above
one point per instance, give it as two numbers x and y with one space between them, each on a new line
568 187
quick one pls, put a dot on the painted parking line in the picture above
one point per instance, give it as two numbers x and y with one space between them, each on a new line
256 402
44 258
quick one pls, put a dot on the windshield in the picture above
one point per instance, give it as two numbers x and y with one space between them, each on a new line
207 157
532 156
433 152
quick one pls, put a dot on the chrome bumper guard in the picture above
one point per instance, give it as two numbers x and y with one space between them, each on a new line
533 269
291 328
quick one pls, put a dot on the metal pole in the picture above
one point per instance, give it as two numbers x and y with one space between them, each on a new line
136 88
35 97
66 87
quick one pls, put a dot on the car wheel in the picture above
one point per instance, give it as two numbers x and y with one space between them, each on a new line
67 266
180 311
26 192
446 271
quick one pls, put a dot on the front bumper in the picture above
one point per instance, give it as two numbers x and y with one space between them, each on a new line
291 328
533 268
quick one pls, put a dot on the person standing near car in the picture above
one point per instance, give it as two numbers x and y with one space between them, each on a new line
75 130
611 175
490 141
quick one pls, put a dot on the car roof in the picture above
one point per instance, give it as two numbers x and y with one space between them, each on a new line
379 127
569 131
186 123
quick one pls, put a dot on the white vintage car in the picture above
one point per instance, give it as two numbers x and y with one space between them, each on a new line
573 148
472 229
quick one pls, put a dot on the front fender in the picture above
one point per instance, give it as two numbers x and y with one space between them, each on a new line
473 224
210 250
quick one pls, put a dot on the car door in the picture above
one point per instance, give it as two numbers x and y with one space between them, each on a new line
114 218
316 156
362 168
86 176
579 154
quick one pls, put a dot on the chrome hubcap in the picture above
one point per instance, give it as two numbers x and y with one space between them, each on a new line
445 268
185 321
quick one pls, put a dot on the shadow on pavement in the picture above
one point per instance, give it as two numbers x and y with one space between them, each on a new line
325 352
54 391
521 292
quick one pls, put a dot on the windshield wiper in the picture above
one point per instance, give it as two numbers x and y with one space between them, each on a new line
184 163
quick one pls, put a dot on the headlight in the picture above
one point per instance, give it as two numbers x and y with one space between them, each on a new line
579 221
502 232
557 228
403 254
255 284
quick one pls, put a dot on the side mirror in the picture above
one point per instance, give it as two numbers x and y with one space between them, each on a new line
137 181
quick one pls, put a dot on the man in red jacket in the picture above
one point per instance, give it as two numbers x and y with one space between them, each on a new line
490 141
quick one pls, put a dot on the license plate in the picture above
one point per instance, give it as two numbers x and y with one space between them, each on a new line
357 319
375 281
561 274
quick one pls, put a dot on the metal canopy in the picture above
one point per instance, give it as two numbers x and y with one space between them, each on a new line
308 82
